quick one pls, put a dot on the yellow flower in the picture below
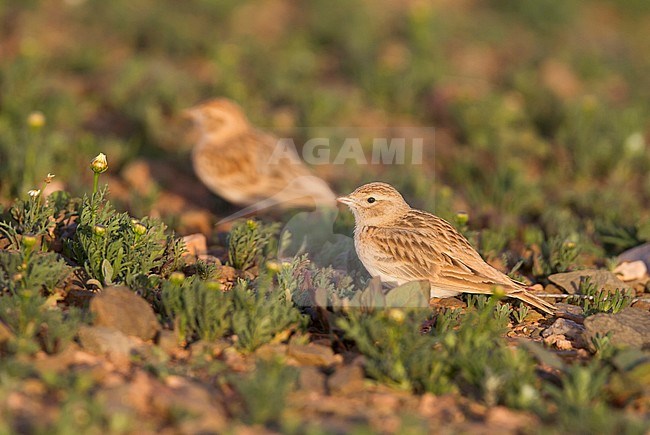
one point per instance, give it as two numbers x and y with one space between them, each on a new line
36 120
138 227
499 292
177 278
99 164
29 241
396 315
462 217
213 285
273 266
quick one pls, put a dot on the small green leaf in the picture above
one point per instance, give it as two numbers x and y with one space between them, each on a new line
544 356
410 295
628 359
107 271
371 297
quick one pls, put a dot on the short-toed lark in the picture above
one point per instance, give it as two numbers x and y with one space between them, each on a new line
237 161
400 244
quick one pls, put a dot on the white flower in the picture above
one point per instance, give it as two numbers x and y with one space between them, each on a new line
34 193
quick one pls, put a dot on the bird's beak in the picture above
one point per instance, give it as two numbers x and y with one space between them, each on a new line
345 200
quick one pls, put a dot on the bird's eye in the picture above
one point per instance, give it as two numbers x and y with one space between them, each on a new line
371 200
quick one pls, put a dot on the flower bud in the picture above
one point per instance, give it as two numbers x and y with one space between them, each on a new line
138 227
213 285
273 266
36 120
99 164
569 244
499 292
99 230
462 217
177 278
29 241
590 103
396 315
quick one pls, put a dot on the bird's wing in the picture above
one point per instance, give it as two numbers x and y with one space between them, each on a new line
421 246
226 168
292 182
247 169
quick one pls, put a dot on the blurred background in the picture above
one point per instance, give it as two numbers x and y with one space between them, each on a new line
540 107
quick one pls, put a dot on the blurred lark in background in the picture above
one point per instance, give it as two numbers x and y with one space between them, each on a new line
400 244
237 162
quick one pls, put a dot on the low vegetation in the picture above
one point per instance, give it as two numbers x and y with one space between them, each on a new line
541 124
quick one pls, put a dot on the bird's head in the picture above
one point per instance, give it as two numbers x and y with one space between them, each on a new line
217 116
375 203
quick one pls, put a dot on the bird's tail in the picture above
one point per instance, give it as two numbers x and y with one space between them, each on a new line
531 299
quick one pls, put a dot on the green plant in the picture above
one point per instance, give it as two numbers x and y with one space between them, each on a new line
114 248
558 254
461 353
36 216
603 347
261 315
616 237
198 309
99 165
23 272
36 324
81 409
264 391
582 387
249 242
301 281
206 270
594 300
502 312
521 313
581 402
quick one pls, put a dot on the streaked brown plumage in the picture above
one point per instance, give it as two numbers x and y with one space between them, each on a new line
400 244
236 161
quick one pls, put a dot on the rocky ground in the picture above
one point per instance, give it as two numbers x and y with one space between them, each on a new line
145 380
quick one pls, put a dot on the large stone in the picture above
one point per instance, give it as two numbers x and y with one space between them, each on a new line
602 279
312 379
203 403
631 270
145 396
120 308
195 244
630 327
638 253
313 355
568 328
346 379
564 334
107 341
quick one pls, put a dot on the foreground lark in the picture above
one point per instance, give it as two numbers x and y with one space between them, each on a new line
400 244
235 161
